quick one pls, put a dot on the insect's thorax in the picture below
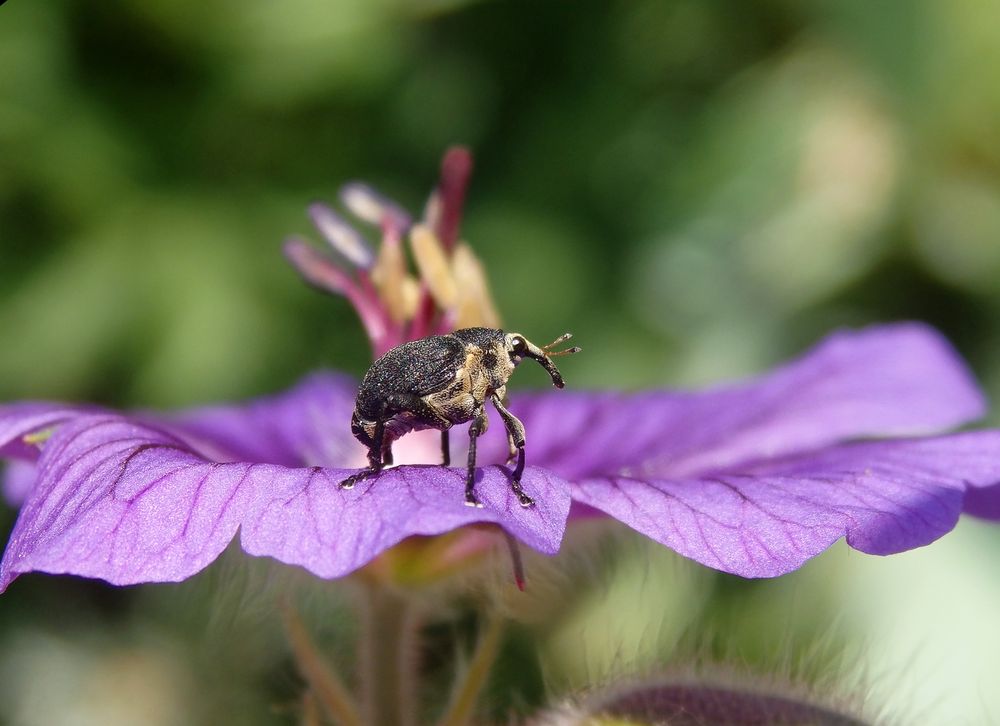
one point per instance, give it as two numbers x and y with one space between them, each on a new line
482 373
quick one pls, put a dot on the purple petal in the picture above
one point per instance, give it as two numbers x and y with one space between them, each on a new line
306 520
18 479
124 503
18 420
884 496
900 379
309 425
127 503
983 502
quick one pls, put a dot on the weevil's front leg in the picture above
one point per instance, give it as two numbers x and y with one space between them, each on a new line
511 449
515 437
445 449
375 462
476 429
501 395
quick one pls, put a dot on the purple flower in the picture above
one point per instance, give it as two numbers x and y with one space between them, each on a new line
752 479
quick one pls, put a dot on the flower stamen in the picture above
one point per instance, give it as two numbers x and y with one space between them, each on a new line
369 206
449 289
342 237
325 275
434 266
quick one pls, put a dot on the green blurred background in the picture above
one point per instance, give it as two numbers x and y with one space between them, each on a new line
697 189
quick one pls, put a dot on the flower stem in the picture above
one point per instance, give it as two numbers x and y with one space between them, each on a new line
311 715
471 683
390 629
322 679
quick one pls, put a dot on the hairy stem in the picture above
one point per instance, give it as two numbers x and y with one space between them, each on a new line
471 683
311 715
389 660
323 681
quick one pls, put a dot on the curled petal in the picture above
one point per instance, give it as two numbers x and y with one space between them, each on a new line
891 380
126 502
309 425
21 422
884 496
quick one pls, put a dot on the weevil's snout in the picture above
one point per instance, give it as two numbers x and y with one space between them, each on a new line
520 347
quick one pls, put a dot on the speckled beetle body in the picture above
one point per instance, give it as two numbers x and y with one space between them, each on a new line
440 381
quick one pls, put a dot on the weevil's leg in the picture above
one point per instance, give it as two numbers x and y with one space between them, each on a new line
501 395
478 426
511 448
515 436
374 458
445 449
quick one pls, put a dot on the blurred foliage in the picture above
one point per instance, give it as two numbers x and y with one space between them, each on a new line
697 189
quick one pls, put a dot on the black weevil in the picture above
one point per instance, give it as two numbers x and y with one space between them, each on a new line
443 380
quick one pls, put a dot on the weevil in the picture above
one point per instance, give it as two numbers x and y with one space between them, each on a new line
443 380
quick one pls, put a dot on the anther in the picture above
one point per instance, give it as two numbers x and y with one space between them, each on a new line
435 270
341 236
475 301
370 206
390 277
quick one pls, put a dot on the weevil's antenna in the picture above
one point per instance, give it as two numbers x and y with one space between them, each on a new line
561 339
568 351
557 341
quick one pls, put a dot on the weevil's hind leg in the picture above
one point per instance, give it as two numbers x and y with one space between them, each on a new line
478 426
386 452
445 449
375 462
515 436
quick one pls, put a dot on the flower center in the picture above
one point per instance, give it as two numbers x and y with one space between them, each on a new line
444 289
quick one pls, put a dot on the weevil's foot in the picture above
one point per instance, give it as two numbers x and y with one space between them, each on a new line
353 479
471 501
525 500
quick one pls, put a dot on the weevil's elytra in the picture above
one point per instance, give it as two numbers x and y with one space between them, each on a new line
440 381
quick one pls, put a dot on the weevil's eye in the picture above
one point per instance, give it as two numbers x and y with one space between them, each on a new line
517 346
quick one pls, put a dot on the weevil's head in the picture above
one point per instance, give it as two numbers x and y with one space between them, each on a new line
518 348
